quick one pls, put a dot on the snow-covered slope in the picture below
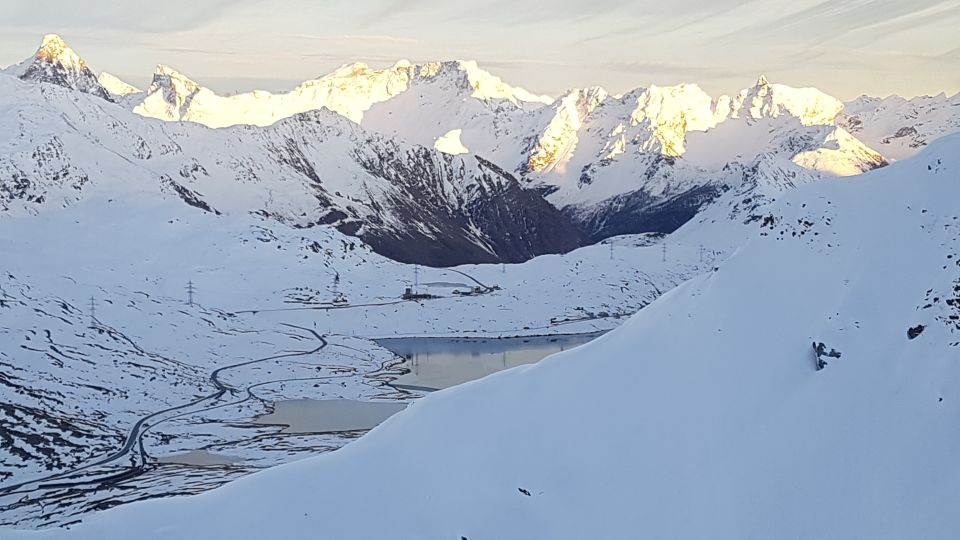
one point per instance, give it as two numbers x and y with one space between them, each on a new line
96 333
706 415
410 202
898 127
116 86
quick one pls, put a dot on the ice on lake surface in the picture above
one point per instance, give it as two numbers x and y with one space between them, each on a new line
437 363
328 415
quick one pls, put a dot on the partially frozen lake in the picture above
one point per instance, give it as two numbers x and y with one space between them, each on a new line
437 363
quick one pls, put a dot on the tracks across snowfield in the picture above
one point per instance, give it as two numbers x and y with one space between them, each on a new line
133 446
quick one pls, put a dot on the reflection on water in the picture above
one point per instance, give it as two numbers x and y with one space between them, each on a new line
436 363
328 415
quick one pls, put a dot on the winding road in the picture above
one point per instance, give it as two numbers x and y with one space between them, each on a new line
134 437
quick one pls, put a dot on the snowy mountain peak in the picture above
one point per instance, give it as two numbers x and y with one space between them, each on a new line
56 63
351 70
54 49
467 75
767 100
165 75
115 85
667 113
169 96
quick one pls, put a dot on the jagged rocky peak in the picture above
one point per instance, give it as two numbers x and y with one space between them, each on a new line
56 63
468 76
54 49
768 100
165 76
568 115
169 96
584 99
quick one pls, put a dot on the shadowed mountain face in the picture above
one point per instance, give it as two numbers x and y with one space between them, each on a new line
493 220
639 212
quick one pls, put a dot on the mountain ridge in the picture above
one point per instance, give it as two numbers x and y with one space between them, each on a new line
645 161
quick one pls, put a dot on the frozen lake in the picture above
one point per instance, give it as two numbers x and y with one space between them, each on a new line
437 363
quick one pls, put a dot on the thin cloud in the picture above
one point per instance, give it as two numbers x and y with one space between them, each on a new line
351 37
166 16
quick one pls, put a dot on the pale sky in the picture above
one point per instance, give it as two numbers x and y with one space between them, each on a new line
844 47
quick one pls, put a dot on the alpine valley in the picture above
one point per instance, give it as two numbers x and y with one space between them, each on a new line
180 269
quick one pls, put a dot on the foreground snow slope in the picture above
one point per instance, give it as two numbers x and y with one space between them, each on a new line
702 417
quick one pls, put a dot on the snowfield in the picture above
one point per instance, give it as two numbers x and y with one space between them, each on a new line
703 416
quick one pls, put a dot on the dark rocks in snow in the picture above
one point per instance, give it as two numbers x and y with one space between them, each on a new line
915 331
820 353
188 196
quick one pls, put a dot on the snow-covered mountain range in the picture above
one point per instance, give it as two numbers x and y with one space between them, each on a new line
442 162
410 202
898 127
613 164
